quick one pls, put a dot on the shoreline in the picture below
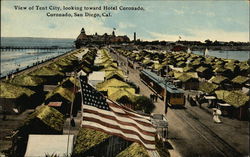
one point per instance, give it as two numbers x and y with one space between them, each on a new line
39 65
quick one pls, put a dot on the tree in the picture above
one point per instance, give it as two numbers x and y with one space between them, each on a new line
208 42
133 85
144 103
124 100
216 43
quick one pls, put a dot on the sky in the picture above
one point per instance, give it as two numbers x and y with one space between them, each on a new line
160 20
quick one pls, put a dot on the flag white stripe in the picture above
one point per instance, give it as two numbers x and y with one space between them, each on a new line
113 122
117 110
138 115
135 116
131 112
111 130
123 119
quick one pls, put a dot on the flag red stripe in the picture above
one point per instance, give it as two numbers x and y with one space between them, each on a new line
127 110
116 134
127 114
118 128
121 122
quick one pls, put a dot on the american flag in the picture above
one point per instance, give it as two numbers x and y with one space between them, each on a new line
105 115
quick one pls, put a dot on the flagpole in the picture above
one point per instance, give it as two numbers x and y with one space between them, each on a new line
71 110
81 97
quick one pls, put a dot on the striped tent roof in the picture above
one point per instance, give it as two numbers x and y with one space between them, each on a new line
45 71
27 80
234 98
111 83
134 150
120 92
88 138
207 87
8 90
64 92
240 79
111 74
49 116
218 79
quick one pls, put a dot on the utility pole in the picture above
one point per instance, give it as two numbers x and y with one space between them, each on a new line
71 110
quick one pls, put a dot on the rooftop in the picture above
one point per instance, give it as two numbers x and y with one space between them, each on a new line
160 81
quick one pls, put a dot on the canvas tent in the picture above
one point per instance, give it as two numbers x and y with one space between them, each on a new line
96 77
48 145
14 97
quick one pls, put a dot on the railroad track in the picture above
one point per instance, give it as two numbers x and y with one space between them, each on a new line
204 132
207 134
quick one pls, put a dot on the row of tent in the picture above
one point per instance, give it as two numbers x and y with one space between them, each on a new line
188 62
210 75
112 82
57 104
50 118
29 86
26 91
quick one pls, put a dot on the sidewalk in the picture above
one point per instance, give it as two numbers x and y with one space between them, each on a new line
73 130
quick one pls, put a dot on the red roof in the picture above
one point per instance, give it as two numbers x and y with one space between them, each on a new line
55 104
82 36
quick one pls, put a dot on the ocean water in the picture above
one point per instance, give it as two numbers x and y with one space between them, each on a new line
35 42
14 60
237 55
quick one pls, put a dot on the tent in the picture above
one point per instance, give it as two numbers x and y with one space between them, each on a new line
114 74
81 73
207 87
42 145
111 83
240 79
8 90
14 97
27 80
116 93
45 119
218 79
70 82
51 75
96 77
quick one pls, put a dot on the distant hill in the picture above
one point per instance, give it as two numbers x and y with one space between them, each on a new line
42 42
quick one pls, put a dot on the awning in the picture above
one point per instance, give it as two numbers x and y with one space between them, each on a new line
81 73
225 104
55 104
210 97
176 81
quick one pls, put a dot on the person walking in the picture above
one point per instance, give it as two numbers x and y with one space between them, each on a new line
151 98
216 114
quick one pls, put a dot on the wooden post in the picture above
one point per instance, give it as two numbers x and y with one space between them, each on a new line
71 110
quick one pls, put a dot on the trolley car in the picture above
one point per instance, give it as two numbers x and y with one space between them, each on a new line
165 90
